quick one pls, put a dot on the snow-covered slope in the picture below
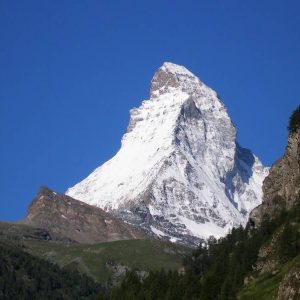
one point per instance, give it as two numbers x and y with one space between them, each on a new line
180 173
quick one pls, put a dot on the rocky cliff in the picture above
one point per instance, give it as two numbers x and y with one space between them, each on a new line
66 217
282 187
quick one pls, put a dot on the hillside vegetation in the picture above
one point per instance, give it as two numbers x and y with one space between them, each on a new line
102 262
231 268
23 276
108 261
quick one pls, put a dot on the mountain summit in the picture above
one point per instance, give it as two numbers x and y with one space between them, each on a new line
180 174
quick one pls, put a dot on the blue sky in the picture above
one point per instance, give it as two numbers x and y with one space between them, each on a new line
71 70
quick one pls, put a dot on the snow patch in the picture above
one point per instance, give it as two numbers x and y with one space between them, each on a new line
205 230
157 232
174 240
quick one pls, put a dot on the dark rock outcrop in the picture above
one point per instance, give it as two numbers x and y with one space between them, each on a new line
66 217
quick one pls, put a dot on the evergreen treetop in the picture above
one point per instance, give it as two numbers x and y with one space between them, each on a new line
294 122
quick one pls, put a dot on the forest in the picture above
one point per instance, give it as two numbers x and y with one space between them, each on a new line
23 276
218 270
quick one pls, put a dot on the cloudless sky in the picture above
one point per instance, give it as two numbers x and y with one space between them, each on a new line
71 70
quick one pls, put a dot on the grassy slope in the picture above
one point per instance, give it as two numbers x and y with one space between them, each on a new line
15 231
265 286
92 259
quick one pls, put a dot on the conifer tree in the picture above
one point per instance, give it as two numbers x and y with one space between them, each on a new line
294 122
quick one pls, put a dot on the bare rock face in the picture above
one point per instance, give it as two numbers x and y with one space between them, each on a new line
281 187
66 217
284 177
289 288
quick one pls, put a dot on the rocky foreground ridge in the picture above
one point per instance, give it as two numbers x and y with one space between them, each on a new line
63 216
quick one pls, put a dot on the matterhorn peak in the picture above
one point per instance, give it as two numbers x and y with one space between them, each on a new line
180 174
170 76
172 68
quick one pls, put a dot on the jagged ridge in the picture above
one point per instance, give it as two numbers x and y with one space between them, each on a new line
68 218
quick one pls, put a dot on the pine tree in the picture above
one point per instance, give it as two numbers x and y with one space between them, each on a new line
294 122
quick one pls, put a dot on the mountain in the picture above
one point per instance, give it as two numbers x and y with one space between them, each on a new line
180 173
261 261
66 218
